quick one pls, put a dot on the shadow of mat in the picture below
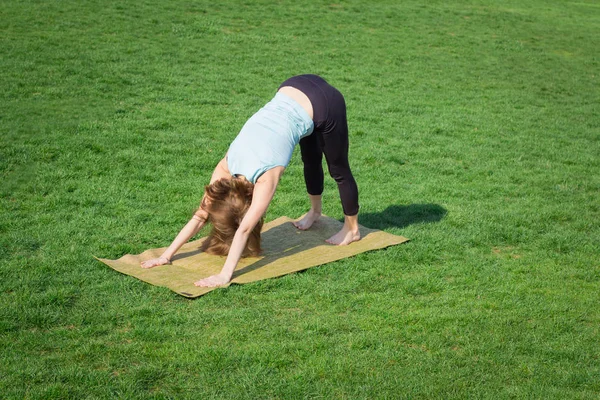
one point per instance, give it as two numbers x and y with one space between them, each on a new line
285 250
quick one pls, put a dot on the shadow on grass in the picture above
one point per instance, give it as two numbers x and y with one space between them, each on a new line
402 216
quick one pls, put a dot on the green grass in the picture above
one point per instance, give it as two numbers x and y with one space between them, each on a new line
474 132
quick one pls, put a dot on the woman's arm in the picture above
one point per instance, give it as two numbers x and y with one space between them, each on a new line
190 229
261 198
193 226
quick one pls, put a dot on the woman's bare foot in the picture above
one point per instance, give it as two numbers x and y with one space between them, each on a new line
349 232
308 220
314 214
344 237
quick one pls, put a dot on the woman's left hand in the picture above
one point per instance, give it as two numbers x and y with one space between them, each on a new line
213 281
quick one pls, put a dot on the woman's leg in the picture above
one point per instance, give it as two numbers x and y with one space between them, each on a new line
335 148
312 155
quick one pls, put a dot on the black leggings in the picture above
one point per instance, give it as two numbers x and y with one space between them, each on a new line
330 137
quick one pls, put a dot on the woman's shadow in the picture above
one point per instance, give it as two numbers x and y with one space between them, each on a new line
402 216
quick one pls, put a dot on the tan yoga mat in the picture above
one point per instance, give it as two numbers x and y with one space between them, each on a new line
285 250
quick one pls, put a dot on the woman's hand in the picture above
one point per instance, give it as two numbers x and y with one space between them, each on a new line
213 281
155 262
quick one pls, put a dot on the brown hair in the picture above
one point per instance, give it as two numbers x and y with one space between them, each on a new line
226 202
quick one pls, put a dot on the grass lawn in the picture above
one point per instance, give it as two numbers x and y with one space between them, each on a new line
474 131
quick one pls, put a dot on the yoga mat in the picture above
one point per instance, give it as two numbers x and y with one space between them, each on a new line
285 250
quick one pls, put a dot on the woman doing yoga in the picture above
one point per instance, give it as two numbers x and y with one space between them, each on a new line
305 110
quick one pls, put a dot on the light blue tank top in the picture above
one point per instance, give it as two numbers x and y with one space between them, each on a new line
268 138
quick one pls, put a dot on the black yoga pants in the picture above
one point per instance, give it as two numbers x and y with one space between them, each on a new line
329 137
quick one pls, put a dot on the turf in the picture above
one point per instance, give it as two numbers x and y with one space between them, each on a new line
474 131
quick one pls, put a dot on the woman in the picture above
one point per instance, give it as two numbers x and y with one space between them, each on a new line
305 110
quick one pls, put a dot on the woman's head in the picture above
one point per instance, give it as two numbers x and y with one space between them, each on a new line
226 202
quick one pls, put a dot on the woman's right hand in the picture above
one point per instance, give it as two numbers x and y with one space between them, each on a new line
155 262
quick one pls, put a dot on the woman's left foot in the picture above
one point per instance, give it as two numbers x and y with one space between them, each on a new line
344 237
308 220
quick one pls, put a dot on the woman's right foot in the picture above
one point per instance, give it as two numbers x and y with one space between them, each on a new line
308 220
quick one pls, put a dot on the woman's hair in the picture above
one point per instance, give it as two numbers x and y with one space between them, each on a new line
226 202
